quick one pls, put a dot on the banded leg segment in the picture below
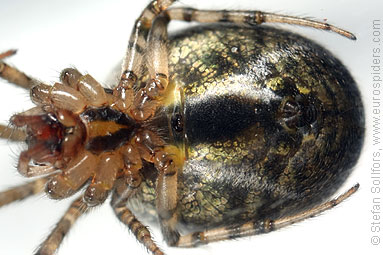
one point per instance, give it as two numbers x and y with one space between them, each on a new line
53 241
13 75
148 98
258 227
134 63
140 231
249 17
121 194
21 192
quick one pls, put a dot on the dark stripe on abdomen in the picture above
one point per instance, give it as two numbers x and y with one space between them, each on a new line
219 118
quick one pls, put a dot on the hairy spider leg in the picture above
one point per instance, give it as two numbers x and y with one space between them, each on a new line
167 159
122 192
13 75
249 18
22 191
258 227
134 62
148 98
18 78
53 241
149 37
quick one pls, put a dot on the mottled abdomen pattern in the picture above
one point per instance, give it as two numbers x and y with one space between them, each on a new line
272 124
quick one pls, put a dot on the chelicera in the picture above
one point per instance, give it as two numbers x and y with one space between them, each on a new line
225 140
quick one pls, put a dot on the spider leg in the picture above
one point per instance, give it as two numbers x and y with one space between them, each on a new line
22 191
148 98
53 241
13 75
133 61
134 65
121 194
8 53
249 17
258 227
12 134
167 159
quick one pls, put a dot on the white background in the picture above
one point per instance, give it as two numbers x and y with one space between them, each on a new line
92 36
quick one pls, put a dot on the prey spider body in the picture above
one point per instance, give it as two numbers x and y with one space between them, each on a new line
221 130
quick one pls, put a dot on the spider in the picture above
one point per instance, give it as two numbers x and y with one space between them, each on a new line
58 115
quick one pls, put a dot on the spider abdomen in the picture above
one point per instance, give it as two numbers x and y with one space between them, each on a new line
272 124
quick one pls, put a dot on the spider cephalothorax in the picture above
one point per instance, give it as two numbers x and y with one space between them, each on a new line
78 132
